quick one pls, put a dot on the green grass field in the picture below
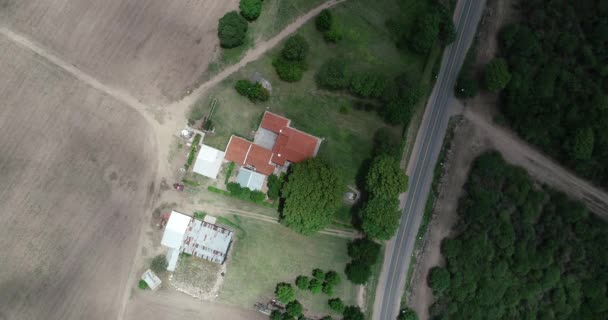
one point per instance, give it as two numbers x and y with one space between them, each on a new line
276 14
265 254
367 44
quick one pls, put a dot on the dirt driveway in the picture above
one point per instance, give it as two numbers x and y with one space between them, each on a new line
155 49
76 171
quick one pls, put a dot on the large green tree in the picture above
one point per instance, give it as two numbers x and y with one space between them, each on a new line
250 9
232 30
381 217
295 48
497 74
385 177
285 292
312 195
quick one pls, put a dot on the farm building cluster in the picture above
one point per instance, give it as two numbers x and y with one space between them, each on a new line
275 146
203 239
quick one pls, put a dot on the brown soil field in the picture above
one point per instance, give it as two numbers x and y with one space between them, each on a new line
77 172
155 49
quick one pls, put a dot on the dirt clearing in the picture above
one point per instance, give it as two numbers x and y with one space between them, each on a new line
77 172
154 49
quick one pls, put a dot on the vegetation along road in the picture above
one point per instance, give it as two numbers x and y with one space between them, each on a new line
420 169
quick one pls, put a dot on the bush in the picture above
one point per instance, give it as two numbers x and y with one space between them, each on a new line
328 289
336 305
159 264
232 30
497 75
353 313
294 309
251 9
253 91
289 71
315 286
295 48
364 250
319 274
302 282
332 278
257 196
334 34
142 285
324 21
407 314
229 172
358 272
368 85
274 186
439 280
285 293
333 75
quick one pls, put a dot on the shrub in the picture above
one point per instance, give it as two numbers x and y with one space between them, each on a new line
229 172
368 85
336 305
294 309
285 293
232 30
142 285
439 280
328 289
250 9
159 264
497 75
407 314
257 196
333 75
289 71
319 274
253 91
274 186
364 250
353 313
358 272
324 21
332 278
302 282
334 34
315 286
295 48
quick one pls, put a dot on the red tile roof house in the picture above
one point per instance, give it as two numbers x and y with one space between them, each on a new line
276 145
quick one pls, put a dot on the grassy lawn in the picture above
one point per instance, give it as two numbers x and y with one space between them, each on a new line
265 254
347 132
276 14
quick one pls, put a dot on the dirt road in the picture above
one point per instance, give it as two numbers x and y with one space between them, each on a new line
539 166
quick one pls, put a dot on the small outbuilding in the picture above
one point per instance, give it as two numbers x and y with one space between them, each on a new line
250 179
151 279
208 162
174 236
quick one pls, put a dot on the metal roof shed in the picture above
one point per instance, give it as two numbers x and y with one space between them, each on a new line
208 162
151 279
250 179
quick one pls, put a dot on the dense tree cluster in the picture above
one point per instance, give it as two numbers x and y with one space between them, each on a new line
274 184
252 90
435 24
364 254
557 97
522 252
291 63
312 194
245 193
232 30
250 9
384 182
320 282
327 25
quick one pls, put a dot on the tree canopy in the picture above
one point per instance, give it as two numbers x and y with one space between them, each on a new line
232 30
497 74
291 64
324 21
295 48
250 9
558 59
312 192
521 252
285 292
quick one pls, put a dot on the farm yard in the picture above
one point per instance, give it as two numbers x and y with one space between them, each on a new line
77 172
154 49
338 117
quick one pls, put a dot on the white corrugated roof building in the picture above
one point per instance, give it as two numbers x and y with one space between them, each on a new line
208 162
151 279
198 238
174 237
250 179
208 241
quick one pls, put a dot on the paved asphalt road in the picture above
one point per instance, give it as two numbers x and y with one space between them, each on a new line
422 162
